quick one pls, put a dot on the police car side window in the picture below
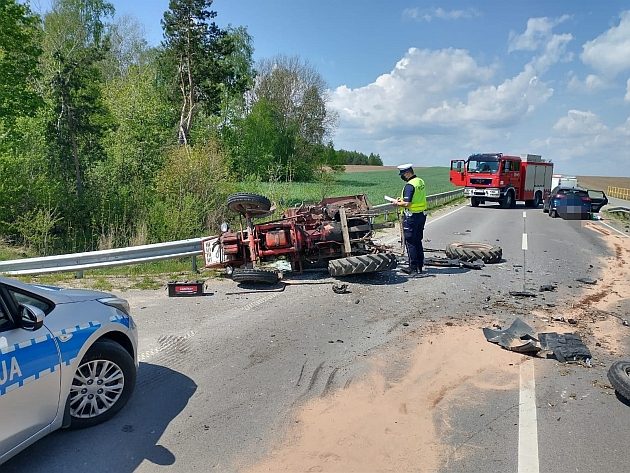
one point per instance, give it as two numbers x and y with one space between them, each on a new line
21 298
5 322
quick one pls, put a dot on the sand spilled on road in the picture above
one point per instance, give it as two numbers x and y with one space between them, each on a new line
598 305
598 310
381 425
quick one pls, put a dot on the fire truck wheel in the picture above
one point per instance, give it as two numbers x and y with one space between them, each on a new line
473 251
253 204
508 202
475 201
619 377
254 275
362 264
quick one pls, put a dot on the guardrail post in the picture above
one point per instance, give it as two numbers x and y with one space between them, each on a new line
194 264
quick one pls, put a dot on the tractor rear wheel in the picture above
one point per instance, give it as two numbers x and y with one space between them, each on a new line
362 264
252 204
473 251
255 275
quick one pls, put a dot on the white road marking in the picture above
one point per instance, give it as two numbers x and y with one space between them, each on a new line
524 245
446 215
613 228
527 421
524 214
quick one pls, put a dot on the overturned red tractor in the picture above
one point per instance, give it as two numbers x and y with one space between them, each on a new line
335 233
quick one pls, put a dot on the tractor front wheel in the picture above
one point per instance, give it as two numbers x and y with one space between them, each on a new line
252 204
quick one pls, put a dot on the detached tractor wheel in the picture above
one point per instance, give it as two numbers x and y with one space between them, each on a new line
255 275
475 201
619 377
252 204
362 264
473 251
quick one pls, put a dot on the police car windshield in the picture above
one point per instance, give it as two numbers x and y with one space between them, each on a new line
475 165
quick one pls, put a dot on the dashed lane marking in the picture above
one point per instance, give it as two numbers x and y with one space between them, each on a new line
524 244
527 421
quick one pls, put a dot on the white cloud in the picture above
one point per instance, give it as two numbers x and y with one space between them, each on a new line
494 106
539 36
579 123
582 144
420 80
537 33
627 97
609 53
591 83
439 13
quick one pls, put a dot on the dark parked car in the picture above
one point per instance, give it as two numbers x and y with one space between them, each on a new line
574 203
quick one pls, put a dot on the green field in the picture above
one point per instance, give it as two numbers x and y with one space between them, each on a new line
375 184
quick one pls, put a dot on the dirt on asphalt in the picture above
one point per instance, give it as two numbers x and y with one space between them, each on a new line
392 425
389 425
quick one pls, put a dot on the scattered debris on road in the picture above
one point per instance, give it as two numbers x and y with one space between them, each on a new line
590 281
547 288
520 338
522 294
339 288
566 347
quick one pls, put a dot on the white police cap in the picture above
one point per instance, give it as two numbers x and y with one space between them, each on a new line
403 168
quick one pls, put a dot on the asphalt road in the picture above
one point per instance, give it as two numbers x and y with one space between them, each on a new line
220 374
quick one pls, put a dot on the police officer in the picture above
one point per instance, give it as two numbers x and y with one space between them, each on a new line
413 203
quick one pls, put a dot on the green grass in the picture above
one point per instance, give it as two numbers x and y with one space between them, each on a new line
374 184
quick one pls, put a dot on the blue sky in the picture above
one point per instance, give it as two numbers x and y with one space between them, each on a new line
427 82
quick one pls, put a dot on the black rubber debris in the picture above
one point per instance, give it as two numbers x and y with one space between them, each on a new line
519 337
566 347
339 288
587 281
522 294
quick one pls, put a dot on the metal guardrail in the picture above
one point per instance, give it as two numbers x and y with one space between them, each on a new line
102 258
143 253
623 210
432 201
618 192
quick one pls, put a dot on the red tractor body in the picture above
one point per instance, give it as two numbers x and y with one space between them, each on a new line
308 236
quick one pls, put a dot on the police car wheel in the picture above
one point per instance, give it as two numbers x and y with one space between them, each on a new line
102 384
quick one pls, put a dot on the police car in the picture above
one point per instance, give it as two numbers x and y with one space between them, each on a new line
68 358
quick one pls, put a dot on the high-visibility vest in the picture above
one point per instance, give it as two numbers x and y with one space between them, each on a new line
419 199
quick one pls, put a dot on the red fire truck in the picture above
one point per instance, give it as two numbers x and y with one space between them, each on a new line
497 177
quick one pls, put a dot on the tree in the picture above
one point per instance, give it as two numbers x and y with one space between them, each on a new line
127 48
193 43
20 50
75 42
297 94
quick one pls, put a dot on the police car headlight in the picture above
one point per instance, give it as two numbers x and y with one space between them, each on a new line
116 302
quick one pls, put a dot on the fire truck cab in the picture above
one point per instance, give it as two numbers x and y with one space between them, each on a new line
496 177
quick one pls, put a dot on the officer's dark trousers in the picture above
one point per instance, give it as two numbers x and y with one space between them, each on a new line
413 231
